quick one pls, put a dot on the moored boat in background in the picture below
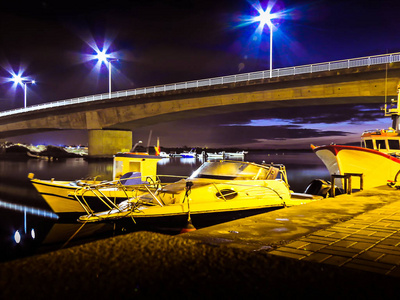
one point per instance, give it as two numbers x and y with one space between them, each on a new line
237 154
188 154
378 159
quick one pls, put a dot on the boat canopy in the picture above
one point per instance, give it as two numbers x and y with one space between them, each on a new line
235 170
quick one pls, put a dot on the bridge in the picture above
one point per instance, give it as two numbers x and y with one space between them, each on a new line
110 119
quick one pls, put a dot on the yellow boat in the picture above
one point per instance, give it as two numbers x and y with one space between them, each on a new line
378 157
131 171
216 190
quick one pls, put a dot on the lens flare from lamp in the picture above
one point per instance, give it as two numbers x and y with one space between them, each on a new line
17 78
102 56
265 17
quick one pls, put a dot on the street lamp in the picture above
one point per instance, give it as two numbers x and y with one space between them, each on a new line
265 17
102 56
18 79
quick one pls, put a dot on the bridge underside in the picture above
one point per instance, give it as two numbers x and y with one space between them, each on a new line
363 85
189 114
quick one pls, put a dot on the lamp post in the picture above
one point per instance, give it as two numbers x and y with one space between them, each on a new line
109 60
18 79
25 83
270 49
265 17
102 56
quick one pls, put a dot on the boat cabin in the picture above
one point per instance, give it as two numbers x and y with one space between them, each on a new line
386 141
145 164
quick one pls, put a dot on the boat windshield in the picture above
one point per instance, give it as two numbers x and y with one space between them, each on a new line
231 170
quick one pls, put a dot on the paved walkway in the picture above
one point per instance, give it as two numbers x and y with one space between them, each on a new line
369 242
359 231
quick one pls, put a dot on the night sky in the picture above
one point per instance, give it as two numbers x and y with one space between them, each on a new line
159 42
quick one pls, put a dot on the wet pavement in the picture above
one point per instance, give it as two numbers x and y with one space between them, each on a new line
348 246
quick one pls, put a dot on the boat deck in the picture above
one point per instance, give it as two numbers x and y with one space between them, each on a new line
347 246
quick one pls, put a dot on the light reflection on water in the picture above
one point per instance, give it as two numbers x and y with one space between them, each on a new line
17 193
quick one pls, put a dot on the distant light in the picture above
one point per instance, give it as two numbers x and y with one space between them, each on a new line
33 233
17 237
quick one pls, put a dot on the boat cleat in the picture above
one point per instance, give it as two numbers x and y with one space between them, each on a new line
393 184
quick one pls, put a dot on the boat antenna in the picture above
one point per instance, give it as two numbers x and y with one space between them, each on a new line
386 79
148 142
134 147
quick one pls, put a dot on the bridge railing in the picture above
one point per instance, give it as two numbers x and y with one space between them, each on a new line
289 71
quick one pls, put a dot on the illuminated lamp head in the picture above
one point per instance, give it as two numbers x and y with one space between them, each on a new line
17 79
264 17
102 56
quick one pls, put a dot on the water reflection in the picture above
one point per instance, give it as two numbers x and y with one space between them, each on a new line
28 210
164 161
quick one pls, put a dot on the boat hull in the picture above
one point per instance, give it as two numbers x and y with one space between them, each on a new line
62 196
149 213
377 167
57 195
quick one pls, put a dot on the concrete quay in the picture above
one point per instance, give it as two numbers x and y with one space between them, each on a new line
342 247
359 231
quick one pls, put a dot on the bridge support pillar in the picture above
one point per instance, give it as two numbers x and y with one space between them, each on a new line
105 143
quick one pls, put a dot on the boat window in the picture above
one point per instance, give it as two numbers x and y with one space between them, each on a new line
118 169
380 144
228 170
226 194
369 144
394 144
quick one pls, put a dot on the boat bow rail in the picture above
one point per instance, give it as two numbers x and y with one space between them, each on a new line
117 188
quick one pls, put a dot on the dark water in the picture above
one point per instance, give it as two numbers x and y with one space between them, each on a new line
25 217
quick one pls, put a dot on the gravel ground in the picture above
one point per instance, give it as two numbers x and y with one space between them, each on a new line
143 264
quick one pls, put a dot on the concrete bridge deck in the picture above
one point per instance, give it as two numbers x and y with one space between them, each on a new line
348 246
